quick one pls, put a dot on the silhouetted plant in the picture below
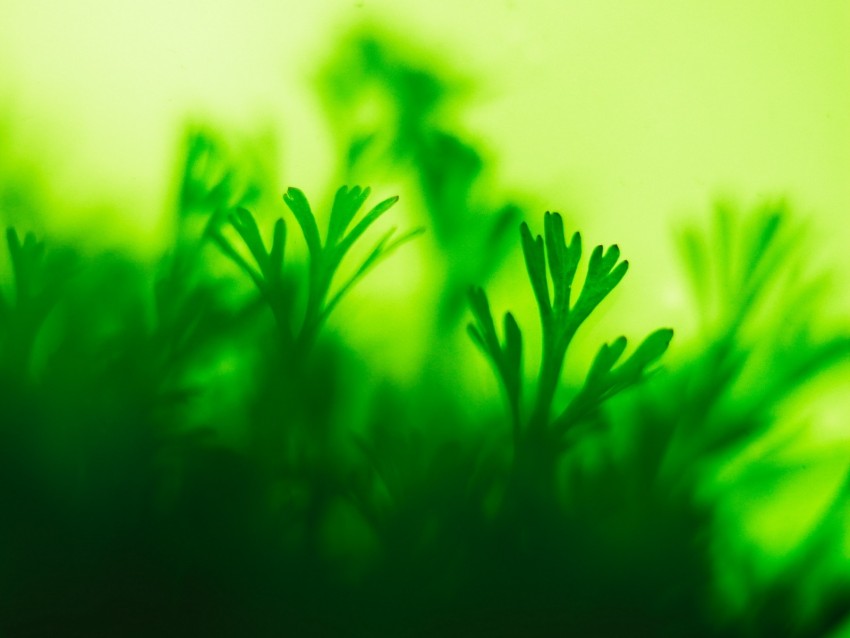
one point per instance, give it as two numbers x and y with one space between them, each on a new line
325 258
38 281
541 438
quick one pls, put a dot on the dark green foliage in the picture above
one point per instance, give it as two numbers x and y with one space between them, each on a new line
764 342
172 507
38 281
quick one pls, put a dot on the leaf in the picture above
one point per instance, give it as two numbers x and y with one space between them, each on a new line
477 337
245 224
506 360
5 310
346 204
513 344
693 251
300 207
763 236
16 254
535 263
210 179
276 255
604 381
218 239
598 284
448 171
604 361
556 250
381 251
27 265
724 246
484 333
612 255
361 227
573 259
647 353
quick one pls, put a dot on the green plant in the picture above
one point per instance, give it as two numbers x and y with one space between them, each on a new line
38 280
762 336
470 228
764 339
541 437
325 257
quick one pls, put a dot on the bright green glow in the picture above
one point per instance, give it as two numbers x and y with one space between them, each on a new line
636 110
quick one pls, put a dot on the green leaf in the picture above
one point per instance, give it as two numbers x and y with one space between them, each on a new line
599 283
360 228
485 331
383 249
647 353
225 246
346 204
506 360
513 344
210 177
763 237
612 255
604 381
693 250
605 359
276 255
535 263
15 253
245 224
574 257
477 337
557 252
300 207
27 264
604 273
722 247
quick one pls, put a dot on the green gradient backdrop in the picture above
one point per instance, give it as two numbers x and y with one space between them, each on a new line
625 115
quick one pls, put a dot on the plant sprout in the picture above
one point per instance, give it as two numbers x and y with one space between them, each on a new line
325 258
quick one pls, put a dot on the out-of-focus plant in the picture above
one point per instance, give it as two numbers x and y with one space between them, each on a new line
390 113
763 341
38 278
763 338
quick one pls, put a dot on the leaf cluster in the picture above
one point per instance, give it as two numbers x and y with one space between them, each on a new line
38 279
760 298
325 257
551 261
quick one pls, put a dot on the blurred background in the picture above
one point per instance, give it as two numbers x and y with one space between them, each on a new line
628 114
632 119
